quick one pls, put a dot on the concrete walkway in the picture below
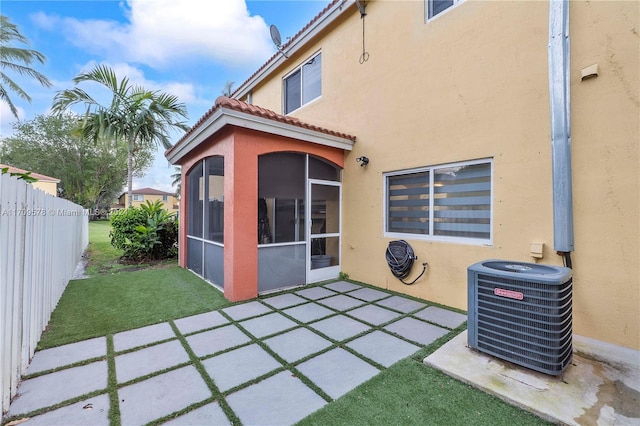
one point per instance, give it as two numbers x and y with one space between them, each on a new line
269 361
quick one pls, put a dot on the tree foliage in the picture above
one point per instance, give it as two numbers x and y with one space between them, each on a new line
91 174
137 117
17 60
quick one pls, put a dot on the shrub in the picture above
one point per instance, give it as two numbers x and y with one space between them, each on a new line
145 233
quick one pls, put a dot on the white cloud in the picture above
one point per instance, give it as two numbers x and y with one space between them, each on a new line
7 119
158 176
159 32
184 91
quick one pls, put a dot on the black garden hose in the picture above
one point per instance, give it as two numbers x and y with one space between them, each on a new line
400 257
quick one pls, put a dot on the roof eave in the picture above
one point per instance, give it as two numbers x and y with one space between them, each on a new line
228 117
294 46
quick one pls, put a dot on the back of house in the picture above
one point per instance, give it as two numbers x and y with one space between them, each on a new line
428 122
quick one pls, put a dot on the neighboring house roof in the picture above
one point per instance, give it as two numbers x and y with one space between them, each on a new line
228 111
148 191
331 12
40 177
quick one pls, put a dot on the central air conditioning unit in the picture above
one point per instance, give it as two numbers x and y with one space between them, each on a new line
521 312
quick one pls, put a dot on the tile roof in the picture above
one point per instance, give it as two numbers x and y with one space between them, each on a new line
224 102
40 177
149 191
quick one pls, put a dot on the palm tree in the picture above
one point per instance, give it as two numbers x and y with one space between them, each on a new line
140 118
227 90
177 180
17 60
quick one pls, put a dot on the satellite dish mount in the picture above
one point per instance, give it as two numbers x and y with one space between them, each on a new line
277 40
362 8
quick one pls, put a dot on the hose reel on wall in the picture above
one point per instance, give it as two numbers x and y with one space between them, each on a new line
400 258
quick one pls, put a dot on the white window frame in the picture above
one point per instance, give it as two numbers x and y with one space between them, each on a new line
291 73
428 3
165 198
430 236
137 197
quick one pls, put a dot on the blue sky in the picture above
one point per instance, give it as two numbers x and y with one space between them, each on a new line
188 48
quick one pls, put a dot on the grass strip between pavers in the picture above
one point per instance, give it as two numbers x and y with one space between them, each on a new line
114 400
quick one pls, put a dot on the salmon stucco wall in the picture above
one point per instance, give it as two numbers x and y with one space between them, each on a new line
473 84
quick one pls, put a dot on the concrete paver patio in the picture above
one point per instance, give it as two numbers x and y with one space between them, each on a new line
274 360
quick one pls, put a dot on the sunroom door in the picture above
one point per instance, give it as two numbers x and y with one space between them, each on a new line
323 223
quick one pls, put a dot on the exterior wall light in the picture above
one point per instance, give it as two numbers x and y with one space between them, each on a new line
363 160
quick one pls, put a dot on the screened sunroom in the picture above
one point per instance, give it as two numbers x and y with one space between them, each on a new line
261 200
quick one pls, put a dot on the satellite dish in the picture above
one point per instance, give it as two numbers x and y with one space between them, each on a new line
277 40
275 35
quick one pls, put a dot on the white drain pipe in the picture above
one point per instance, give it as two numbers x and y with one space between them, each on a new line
560 127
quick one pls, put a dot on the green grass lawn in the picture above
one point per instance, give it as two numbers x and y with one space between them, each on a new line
120 296
107 304
116 298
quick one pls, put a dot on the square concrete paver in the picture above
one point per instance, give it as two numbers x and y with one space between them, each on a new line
340 327
53 388
337 372
210 414
159 396
441 316
212 341
278 400
382 348
268 324
374 314
49 359
369 294
341 302
401 304
93 411
416 330
315 293
308 312
297 344
239 366
342 286
246 310
142 336
284 301
145 361
200 322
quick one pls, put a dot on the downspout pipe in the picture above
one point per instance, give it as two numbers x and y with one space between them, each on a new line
559 92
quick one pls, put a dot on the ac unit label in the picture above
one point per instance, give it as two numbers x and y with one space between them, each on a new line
508 293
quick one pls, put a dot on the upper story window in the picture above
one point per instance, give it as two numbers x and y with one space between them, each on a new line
138 197
436 7
451 202
303 85
165 198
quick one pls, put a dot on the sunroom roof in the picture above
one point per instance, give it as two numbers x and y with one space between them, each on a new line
227 111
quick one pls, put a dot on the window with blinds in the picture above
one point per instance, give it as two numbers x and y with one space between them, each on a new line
449 202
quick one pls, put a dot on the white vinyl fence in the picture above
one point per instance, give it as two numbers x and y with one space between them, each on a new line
42 239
